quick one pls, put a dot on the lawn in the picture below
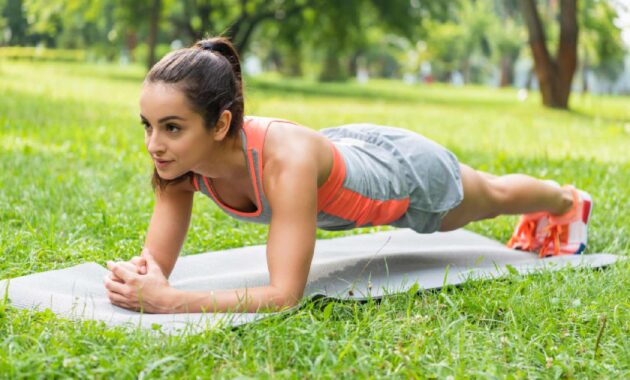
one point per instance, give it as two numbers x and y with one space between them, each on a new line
74 187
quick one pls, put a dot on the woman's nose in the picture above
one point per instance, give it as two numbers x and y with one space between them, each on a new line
154 143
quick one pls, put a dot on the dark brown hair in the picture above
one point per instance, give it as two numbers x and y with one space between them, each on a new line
209 75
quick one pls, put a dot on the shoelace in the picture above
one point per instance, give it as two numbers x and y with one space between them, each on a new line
555 229
525 235
552 236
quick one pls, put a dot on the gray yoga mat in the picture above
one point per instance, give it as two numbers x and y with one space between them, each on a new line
355 267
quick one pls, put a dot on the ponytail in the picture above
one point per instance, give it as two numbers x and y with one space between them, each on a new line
223 47
209 75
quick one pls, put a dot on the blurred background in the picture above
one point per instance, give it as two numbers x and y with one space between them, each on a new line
555 46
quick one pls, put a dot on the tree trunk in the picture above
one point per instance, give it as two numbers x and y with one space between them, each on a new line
294 60
507 71
131 41
332 70
466 70
153 32
585 67
554 75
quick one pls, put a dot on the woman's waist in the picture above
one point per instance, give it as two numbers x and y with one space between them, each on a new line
363 180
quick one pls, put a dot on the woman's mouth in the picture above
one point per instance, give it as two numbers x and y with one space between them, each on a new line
161 164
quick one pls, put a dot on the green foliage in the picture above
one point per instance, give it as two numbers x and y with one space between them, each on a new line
508 38
13 17
601 46
465 41
75 188
318 38
4 23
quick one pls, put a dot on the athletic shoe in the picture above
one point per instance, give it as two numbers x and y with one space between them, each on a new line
567 233
530 232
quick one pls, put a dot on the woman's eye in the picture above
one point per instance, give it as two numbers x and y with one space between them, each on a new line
145 125
172 128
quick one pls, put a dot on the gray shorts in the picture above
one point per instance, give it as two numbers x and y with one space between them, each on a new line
393 163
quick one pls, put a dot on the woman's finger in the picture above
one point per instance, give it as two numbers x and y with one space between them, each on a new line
112 277
136 260
115 286
127 265
119 300
140 263
121 271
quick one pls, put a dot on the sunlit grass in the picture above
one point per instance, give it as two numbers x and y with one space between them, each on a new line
74 187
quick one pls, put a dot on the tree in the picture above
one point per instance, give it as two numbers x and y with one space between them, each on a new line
601 48
235 19
463 42
507 38
475 18
13 12
343 30
508 43
67 23
154 23
554 74
446 48
337 23
332 28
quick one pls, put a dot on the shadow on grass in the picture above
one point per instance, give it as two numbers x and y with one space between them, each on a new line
408 95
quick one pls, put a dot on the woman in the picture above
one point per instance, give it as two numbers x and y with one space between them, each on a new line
295 179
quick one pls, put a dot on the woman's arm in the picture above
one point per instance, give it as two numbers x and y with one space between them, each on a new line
167 229
165 237
169 224
291 188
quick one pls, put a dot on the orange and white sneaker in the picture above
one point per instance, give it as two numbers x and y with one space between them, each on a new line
567 233
530 232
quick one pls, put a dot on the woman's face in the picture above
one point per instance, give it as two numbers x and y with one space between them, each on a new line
175 135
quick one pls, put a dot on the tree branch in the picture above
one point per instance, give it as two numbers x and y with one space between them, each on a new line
242 39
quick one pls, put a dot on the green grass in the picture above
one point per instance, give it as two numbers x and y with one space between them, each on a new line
74 187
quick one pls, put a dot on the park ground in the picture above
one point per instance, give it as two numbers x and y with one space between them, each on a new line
74 187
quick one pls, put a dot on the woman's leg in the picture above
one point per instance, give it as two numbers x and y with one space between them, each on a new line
487 196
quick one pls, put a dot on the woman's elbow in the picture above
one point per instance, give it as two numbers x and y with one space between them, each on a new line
286 299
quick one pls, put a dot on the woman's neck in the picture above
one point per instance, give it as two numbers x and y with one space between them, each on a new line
226 161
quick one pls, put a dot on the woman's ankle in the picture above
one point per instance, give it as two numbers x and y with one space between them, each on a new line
565 205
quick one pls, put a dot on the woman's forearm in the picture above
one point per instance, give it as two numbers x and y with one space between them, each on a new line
263 298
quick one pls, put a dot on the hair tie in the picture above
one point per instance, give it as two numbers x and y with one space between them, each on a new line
207 45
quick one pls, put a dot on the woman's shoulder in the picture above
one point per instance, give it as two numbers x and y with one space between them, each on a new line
265 120
288 144
257 122
289 136
280 135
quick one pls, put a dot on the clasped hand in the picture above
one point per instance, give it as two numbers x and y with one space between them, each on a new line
138 284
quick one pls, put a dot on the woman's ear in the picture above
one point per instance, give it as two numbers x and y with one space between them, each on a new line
222 127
